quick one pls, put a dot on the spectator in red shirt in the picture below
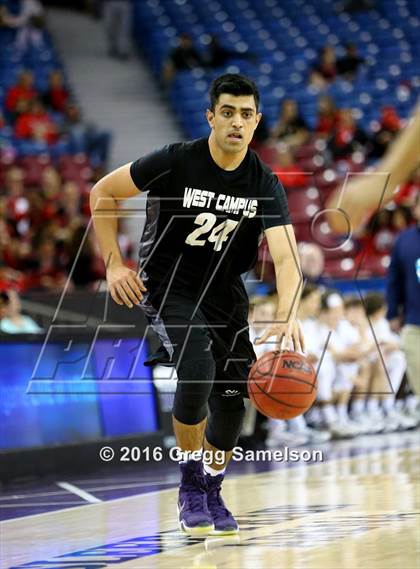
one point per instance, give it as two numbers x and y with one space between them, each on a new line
347 136
327 116
36 125
390 125
290 127
23 90
57 96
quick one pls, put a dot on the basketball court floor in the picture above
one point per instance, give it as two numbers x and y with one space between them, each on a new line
358 508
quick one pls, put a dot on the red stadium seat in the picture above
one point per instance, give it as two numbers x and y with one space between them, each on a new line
33 167
303 232
374 266
303 204
340 268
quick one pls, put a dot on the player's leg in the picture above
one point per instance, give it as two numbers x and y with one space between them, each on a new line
380 390
396 365
359 400
410 338
189 342
343 387
221 436
195 370
233 354
326 375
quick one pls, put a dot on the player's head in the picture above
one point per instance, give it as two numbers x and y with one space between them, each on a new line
185 41
310 301
332 308
355 311
262 311
375 305
233 114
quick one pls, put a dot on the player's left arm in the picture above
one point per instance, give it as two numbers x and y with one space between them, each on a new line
283 250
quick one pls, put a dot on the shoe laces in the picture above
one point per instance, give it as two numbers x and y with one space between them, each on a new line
195 489
215 501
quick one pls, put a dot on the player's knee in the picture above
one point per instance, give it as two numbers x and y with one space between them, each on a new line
195 382
225 421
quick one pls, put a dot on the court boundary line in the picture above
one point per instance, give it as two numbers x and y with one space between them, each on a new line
265 472
87 496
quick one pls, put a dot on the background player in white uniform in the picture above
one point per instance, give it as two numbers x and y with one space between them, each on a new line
389 367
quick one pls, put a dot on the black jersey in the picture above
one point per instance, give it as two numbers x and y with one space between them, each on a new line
204 223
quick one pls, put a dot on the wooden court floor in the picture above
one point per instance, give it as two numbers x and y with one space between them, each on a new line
346 513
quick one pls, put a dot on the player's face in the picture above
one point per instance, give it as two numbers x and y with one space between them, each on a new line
263 314
234 121
356 315
313 303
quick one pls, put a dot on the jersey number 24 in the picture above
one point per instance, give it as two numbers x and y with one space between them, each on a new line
218 235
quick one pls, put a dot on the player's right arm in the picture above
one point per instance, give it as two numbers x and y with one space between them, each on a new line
124 284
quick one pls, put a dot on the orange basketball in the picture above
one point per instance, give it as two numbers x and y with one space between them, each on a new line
282 385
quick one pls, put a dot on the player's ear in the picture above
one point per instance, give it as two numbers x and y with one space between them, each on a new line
258 117
210 117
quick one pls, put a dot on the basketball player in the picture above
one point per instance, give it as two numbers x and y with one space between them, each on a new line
338 368
209 201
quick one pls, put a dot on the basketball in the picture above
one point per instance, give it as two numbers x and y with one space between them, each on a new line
282 385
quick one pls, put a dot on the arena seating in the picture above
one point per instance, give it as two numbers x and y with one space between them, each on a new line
289 39
387 37
66 160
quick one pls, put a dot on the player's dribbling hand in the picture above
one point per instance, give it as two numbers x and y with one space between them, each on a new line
289 336
125 286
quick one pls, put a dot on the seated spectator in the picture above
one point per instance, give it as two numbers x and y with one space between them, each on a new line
23 91
327 116
17 203
386 384
389 126
347 136
324 72
84 262
312 263
29 22
261 133
401 219
339 366
57 95
291 127
14 322
380 237
184 56
84 137
218 55
289 173
348 65
36 125
48 268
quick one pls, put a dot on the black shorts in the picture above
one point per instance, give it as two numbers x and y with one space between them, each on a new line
218 323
